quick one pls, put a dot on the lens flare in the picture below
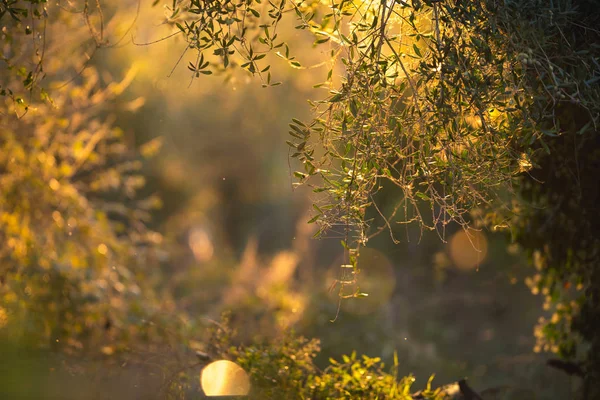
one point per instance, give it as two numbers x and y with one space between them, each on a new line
224 378
468 249
201 245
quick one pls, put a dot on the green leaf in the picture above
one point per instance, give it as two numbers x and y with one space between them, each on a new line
417 50
353 108
297 130
297 121
313 219
423 196
336 98
296 135
584 128
300 175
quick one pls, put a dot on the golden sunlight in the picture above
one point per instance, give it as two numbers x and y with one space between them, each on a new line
224 378
468 249
201 245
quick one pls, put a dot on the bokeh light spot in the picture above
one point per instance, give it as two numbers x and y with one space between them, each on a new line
102 249
201 245
224 378
468 249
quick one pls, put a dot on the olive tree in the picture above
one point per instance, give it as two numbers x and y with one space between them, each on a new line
455 105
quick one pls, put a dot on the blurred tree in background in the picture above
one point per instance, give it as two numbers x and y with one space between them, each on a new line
74 235
79 265
454 116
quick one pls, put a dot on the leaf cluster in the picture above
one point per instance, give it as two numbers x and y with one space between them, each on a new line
228 33
72 222
285 368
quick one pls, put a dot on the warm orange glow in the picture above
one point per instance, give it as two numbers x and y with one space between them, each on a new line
102 249
3 317
201 245
224 378
468 249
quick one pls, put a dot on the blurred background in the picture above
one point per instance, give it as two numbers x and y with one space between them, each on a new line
236 238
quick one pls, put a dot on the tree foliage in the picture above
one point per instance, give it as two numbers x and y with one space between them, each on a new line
73 224
285 368
457 105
